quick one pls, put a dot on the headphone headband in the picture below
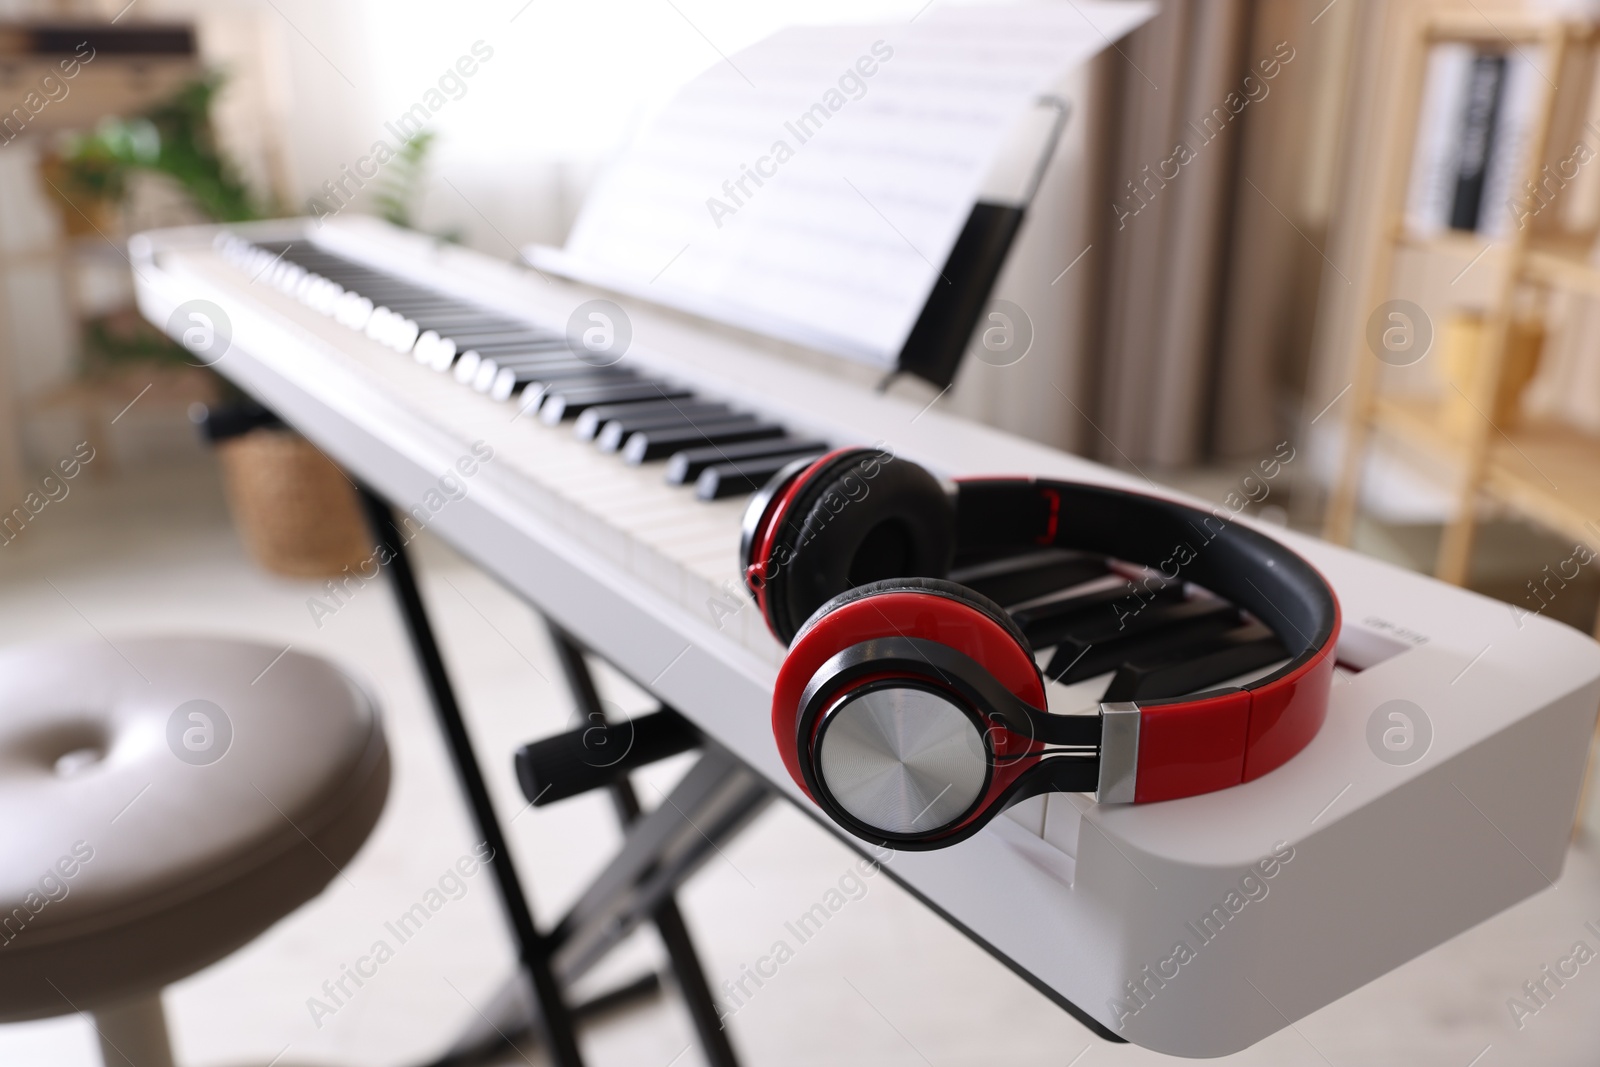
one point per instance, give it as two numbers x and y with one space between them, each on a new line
1182 543
847 558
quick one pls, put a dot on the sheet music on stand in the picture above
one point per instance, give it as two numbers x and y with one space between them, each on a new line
811 187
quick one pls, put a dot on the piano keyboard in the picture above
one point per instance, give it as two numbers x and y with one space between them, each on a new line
640 417
1181 641
646 573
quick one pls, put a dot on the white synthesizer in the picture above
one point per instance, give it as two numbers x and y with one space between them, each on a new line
1194 927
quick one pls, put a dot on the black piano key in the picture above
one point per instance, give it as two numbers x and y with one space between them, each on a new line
534 392
355 283
1014 579
383 285
440 305
646 446
448 320
379 282
1046 623
490 367
526 355
636 416
483 340
526 351
744 476
425 309
616 432
508 380
555 357
311 254
489 327
383 295
517 375
568 401
686 466
1157 617
1101 646
1248 648
469 362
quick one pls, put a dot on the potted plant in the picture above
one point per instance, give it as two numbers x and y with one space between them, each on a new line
295 511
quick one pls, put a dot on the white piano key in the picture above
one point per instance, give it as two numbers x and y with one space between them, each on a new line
1063 819
1029 814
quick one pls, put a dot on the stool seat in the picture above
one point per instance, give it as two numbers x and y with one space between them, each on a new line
162 802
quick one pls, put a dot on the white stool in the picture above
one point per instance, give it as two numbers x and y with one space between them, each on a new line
162 802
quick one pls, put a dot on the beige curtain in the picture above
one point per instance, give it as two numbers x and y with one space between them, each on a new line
1224 124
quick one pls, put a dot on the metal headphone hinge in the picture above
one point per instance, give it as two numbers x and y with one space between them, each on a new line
1119 753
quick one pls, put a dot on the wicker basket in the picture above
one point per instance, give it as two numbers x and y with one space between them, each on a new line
296 512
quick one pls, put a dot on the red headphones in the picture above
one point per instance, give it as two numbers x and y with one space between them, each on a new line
911 708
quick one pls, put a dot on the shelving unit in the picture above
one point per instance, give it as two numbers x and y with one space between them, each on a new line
135 64
1543 471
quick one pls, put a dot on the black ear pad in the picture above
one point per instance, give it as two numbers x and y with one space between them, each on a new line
861 517
938 587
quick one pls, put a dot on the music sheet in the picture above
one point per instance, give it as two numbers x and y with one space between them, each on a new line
811 186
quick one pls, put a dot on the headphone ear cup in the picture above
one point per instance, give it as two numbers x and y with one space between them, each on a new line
890 749
859 518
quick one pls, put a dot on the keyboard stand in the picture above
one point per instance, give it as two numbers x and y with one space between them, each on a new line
661 850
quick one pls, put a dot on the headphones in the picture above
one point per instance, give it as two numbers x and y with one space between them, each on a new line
911 709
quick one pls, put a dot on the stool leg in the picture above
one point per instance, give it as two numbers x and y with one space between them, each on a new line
134 1034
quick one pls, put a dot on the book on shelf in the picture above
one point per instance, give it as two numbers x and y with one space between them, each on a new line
1478 108
1475 139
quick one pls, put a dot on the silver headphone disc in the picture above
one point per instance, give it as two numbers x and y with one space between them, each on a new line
903 760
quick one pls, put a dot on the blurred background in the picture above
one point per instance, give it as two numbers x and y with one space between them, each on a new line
1349 271
1266 254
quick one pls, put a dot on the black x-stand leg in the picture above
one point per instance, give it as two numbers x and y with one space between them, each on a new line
667 918
661 850
533 950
